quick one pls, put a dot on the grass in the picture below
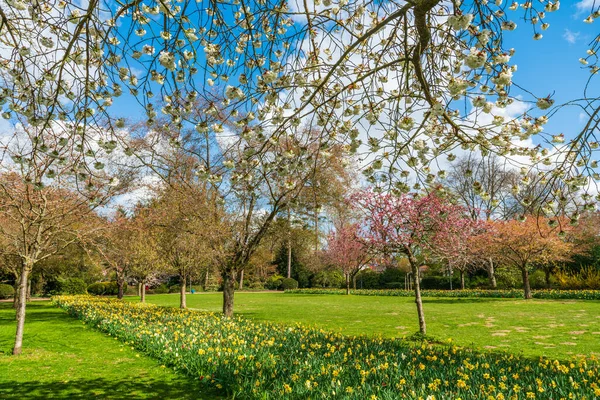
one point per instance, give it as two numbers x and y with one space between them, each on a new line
64 359
556 329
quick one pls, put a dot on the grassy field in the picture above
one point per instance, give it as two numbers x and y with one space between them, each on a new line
551 328
63 359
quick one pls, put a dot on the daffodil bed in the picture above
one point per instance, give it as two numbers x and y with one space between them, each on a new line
547 294
266 361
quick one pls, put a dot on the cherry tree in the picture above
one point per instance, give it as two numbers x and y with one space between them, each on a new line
414 226
346 250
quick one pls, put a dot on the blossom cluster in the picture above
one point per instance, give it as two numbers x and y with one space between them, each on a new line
246 359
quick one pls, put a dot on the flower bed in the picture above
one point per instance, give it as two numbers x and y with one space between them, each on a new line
253 360
511 294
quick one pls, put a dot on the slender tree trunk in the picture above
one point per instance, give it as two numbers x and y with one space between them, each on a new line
492 273
417 287
289 246
462 280
526 286
547 272
28 298
16 298
139 287
182 299
316 228
22 303
206 277
241 285
354 282
143 291
347 283
228 291
121 292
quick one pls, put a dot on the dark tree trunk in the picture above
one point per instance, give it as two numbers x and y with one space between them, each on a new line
492 273
143 292
547 272
241 285
22 303
28 298
462 280
182 298
121 292
228 291
417 288
347 283
354 282
526 286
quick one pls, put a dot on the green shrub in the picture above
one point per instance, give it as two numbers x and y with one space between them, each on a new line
73 286
508 278
391 275
289 283
6 291
256 285
327 279
537 280
274 282
174 289
440 282
367 279
162 289
105 288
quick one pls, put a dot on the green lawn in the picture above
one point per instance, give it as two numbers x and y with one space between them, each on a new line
63 359
551 328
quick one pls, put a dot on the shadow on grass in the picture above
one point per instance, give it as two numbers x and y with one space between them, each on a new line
463 300
105 389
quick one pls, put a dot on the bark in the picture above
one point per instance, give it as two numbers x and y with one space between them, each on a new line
182 298
547 272
289 246
139 285
143 292
462 280
121 291
228 291
354 282
492 273
417 287
22 297
16 300
205 283
526 286
28 298
241 285
347 283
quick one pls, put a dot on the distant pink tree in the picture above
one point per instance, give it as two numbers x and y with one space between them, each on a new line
414 226
346 250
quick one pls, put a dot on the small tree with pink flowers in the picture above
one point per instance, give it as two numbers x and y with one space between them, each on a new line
346 250
414 226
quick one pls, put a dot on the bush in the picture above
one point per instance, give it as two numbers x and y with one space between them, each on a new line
66 286
394 285
327 279
391 275
586 278
162 289
289 283
6 291
508 278
274 282
105 288
367 279
440 282
174 289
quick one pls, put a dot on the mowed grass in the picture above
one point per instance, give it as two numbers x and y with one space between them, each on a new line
64 359
558 329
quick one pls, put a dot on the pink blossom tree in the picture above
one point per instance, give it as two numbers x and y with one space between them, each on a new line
346 250
414 226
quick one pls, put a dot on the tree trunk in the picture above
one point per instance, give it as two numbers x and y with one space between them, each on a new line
492 273
547 272
22 303
121 291
526 286
139 289
28 298
241 285
289 246
354 282
462 280
182 299
417 287
205 284
228 291
16 300
143 292
347 283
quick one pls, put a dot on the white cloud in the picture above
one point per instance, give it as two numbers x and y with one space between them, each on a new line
585 6
571 36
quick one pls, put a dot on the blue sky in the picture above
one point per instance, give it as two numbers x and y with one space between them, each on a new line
547 66
551 65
